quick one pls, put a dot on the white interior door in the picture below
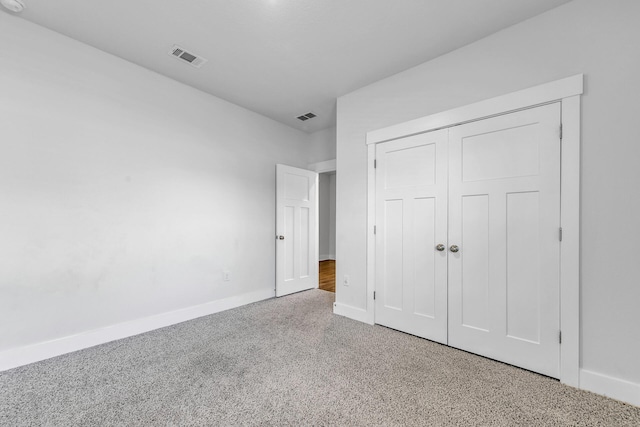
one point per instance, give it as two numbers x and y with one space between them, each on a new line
411 221
296 230
504 216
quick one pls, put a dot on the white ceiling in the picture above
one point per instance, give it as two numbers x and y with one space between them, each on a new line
282 58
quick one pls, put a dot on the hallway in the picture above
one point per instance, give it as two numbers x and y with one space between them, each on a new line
327 275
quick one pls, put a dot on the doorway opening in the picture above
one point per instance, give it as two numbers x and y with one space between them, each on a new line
327 231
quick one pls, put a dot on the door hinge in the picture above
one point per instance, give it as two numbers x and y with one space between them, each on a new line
374 229
560 131
374 294
375 163
559 337
560 234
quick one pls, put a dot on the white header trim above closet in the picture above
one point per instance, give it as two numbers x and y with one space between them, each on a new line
526 98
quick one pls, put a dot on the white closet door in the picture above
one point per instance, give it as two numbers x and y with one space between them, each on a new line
411 220
504 215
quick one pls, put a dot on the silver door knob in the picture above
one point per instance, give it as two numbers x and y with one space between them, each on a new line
454 248
280 237
440 247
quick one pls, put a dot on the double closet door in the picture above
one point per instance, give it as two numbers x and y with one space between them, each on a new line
467 237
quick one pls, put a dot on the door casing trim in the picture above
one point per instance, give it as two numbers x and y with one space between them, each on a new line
568 92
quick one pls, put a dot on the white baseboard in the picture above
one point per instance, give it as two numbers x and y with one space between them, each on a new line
614 388
20 356
354 313
327 257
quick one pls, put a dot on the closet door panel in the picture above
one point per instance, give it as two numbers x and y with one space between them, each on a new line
411 220
504 215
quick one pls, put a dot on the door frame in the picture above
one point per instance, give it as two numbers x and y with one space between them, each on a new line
322 167
568 92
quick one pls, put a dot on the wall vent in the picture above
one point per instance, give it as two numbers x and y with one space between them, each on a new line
191 58
305 117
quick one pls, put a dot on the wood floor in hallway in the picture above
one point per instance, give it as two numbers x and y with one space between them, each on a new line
327 276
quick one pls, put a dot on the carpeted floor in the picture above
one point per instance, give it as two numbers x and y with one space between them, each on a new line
290 361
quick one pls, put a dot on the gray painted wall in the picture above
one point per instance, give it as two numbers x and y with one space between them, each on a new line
124 194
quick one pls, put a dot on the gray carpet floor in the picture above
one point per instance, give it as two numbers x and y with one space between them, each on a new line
290 361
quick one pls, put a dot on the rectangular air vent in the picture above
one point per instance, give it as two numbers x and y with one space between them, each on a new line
191 58
306 117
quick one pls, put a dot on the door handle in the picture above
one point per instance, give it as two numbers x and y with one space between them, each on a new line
280 237
454 248
440 247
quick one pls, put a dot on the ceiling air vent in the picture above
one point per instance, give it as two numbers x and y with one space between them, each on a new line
305 117
191 58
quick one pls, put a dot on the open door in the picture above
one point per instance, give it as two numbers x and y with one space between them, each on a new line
296 230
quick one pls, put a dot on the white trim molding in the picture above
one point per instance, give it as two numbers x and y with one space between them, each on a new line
526 98
354 313
322 167
570 245
371 238
614 388
567 91
20 356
